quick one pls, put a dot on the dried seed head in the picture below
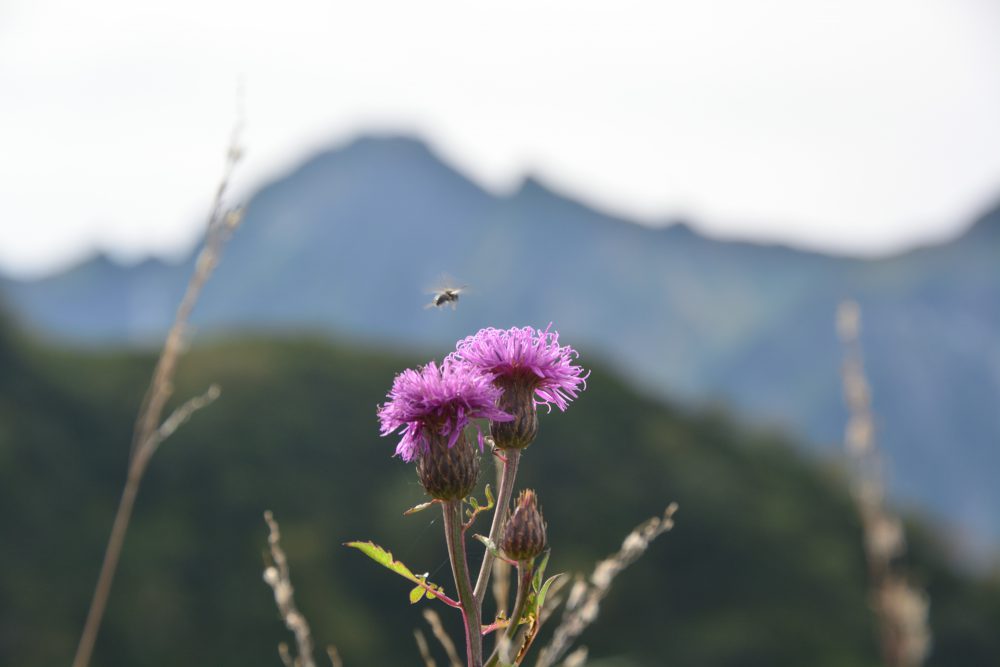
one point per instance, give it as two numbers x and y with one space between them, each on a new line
524 537
448 473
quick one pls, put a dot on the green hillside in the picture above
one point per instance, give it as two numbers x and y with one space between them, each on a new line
764 566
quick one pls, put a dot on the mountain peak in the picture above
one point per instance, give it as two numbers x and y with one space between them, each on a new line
531 185
378 158
392 143
987 224
368 149
533 192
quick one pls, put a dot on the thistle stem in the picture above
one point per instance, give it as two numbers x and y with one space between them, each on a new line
507 475
455 537
524 573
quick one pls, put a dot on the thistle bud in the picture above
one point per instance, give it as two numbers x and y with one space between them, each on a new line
448 473
524 537
517 400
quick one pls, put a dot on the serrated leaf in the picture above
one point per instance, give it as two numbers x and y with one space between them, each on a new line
385 559
416 594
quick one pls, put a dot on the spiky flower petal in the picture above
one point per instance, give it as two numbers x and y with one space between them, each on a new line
437 401
531 356
531 368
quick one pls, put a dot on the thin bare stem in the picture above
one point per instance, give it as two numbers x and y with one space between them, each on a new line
279 578
437 628
507 475
455 536
334 656
425 651
585 598
149 432
505 640
577 658
904 636
501 585
524 571
286 656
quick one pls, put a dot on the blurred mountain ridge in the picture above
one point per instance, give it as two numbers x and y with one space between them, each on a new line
349 242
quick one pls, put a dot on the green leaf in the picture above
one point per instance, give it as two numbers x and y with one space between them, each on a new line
490 546
536 580
540 595
474 508
385 559
416 594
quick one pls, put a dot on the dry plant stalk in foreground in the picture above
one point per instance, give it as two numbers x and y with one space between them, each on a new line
581 609
500 378
901 609
585 597
278 576
150 431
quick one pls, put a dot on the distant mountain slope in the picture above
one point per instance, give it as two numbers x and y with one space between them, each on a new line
348 241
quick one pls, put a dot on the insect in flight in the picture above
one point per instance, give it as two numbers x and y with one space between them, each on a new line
446 294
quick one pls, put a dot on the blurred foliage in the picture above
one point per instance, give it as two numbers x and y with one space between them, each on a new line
763 568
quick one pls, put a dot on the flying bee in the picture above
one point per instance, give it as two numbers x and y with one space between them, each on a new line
444 295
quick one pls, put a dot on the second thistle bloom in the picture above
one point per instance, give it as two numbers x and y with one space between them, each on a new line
433 405
524 538
531 368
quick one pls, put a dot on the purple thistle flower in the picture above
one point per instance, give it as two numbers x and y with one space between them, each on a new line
526 356
437 401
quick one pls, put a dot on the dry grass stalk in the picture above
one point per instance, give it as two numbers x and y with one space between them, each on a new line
501 586
334 655
279 578
437 628
425 651
904 636
577 658
501 573
150 431
584 601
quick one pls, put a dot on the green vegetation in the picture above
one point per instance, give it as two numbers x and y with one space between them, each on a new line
764 567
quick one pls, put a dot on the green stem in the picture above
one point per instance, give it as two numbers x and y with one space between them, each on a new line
455 536
507 475
524 572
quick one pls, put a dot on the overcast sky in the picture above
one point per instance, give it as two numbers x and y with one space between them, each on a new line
854 125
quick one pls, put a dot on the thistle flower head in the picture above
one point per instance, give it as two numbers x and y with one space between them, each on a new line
437 402
529 357
524 537
531 367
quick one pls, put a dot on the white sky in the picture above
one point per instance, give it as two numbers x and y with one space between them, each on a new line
850 125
